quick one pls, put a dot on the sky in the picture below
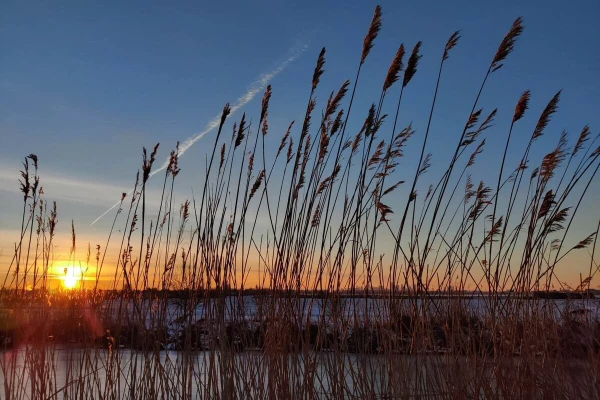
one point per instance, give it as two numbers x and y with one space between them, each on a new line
84 85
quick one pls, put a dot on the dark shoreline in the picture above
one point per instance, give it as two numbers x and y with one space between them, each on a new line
362 294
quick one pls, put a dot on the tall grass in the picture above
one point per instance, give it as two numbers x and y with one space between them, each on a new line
454 309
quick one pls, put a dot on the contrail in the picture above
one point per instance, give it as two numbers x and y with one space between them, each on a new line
255 88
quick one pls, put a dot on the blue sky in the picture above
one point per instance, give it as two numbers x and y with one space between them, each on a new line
84 85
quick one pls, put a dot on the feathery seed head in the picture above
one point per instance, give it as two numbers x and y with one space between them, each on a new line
334 101
411 65
222 158
583 137
284 138
395 68
225 113
507 44
318 69
337 123
450 44
371 34
522 106
544 119
257 183
240 132
33 158
265 103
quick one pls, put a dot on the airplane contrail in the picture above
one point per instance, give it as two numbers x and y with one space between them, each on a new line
255 88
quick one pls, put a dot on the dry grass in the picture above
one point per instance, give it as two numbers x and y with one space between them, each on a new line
457 310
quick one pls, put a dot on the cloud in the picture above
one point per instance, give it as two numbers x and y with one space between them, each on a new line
255 88
60 186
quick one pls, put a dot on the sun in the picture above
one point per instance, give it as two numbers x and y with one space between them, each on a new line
71 277
70 282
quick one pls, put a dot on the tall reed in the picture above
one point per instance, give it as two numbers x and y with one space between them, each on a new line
460 306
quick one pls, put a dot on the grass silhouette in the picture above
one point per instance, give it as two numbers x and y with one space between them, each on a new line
333 316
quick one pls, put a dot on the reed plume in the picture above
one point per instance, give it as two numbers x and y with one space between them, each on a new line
371 34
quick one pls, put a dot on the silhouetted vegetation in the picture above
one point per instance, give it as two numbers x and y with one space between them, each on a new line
460 306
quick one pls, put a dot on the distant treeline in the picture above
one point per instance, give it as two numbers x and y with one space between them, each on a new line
152 293
587 294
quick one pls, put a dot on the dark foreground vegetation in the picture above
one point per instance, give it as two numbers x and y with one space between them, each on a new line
74 319
460 305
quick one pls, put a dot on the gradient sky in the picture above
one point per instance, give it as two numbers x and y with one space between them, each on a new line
84 85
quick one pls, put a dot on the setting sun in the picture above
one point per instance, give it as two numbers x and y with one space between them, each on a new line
72 276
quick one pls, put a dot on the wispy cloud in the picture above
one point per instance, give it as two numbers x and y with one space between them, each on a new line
255 88
60 186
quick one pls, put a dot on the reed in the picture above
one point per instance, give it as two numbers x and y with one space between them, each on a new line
461 308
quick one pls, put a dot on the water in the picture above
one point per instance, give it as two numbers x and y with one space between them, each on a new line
75 373
94 373
71 371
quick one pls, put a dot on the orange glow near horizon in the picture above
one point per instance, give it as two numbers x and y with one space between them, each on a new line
71 278
70 275
74 275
